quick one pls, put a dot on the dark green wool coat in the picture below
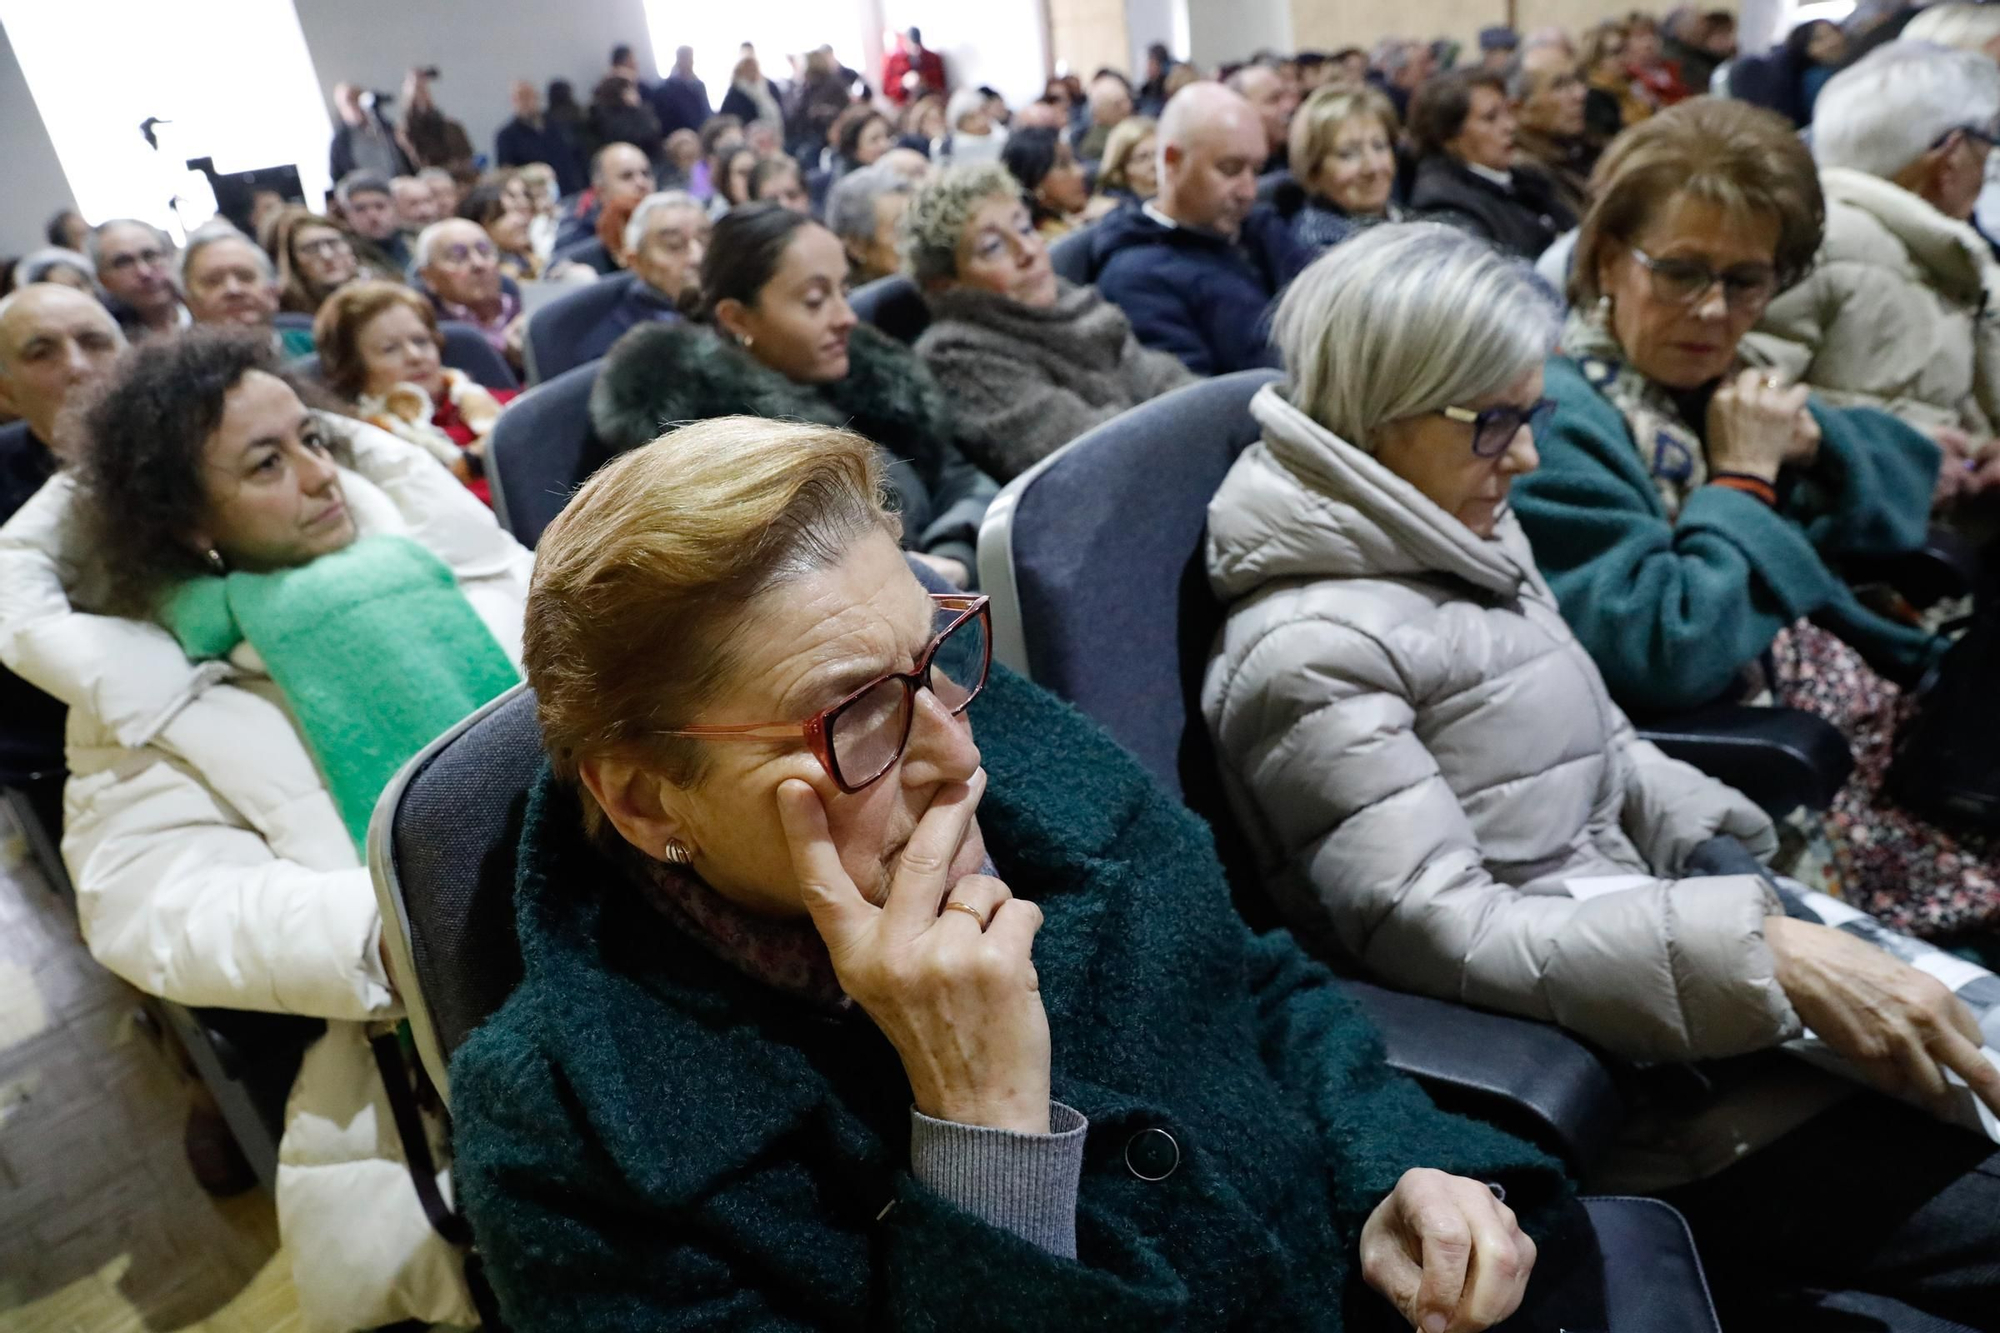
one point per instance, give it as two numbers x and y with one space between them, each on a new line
1672 610
647 1139
661 374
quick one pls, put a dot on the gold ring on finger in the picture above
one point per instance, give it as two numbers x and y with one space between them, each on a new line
956 906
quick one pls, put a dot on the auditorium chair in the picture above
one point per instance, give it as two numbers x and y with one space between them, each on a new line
1070 255
589 251
555 330
465 350
441 847
541 450
894 305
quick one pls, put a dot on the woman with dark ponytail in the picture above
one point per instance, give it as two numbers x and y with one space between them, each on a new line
776 338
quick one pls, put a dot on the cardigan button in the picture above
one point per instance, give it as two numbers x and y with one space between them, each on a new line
1152 1154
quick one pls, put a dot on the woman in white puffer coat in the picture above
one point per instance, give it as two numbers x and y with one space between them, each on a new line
211 863
1427 762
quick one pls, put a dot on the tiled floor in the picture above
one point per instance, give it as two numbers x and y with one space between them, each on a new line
102 1228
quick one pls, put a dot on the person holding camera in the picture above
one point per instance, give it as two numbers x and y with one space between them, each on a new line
364 139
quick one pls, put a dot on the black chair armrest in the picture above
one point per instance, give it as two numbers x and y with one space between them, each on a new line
1945 565
1781 758
1531 1078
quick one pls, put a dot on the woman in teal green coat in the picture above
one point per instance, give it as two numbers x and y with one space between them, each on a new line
1692 512
803 1043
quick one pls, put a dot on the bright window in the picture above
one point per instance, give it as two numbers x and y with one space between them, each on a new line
227 79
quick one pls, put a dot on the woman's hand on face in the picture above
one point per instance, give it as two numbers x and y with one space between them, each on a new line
1900 1027
1449 1256
961 1004
1756 425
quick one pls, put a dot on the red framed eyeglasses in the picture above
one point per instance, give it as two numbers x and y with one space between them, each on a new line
862 736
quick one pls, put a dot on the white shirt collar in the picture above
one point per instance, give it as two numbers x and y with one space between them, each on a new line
1503 179
1152 211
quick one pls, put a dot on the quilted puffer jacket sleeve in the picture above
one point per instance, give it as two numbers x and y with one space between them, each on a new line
1315 731
179 898
1671 808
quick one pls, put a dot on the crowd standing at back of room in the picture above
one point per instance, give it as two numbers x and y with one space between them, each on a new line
1615 365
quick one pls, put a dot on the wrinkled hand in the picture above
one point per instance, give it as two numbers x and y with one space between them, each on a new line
1756 426
1900 1027
952 571
1449 1256
961 1005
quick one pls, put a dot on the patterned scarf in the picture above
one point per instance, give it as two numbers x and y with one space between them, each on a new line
785 953
1668 447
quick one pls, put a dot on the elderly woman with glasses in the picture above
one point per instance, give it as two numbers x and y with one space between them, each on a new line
1898 312
1693 512
1432 775
1028 361
868 986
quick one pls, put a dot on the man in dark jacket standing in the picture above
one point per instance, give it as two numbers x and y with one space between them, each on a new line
681 100
532 137
1196 270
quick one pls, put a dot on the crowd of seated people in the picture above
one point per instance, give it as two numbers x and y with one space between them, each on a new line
1485 521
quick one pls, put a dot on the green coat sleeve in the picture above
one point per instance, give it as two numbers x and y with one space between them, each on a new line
1671 611
1377 1123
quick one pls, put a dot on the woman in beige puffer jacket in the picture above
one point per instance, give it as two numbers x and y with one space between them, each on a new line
1425 759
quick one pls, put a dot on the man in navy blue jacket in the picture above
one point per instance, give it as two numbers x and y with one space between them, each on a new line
1197 269
532 137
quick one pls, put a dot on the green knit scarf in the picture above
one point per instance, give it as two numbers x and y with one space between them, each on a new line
374 647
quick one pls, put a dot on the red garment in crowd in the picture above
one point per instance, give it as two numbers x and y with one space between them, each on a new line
447 419
1663 81
929 66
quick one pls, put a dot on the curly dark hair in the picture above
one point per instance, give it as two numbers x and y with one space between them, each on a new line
139 463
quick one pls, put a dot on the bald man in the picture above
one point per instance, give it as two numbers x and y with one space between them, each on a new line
53 341
1196 270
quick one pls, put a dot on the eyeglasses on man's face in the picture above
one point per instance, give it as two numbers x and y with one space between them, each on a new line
860 737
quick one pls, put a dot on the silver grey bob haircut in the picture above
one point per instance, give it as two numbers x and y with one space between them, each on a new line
1409 318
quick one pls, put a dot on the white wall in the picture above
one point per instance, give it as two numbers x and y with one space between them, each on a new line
1225 31
1149 21
479 46
35 186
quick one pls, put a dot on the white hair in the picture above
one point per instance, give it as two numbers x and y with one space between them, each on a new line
850 205
1407 319
427 239
962 104
93 240
1891 107
1962 27
635 226
207 234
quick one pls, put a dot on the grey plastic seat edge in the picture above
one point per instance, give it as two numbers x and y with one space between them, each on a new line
389 894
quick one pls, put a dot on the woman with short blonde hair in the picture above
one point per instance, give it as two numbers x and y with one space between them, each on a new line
380 349
1028 361
1130 167
1343 155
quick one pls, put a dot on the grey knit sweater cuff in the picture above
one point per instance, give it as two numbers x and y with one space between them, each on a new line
1023 1183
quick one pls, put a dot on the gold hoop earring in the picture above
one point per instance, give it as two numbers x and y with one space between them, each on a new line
675 853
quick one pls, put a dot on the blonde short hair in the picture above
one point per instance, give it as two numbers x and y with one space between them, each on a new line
1742 158
641 579
1319 120
1125 136
928 236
